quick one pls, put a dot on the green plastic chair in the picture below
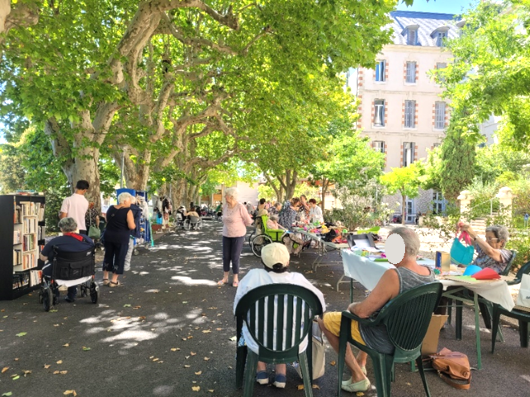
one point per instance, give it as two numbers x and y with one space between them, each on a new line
522 316
264 236
301 306
406 318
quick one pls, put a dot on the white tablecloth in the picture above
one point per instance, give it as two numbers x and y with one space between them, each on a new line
368 273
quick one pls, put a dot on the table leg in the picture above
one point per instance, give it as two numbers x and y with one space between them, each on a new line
477 331
340 281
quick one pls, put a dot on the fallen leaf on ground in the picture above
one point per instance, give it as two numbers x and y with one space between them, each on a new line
72 392
193 354
26 372
210 390
21 334
55 325
53 310
300 387
186 357
15 377
206 358
206 331
233 338
187 366
127 305
175 349
333 363
60 362
16 359
137 307
198 373
7 394
46 366
4 369
184 338
155 359
190 337
195 388
359 394
86 348
66 345
316 387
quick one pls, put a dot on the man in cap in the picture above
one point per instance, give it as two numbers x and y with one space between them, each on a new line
275 259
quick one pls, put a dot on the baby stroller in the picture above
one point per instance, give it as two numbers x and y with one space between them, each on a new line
70 269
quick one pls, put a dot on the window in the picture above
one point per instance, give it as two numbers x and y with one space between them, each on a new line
380 68
439 66
379 115
440 39
379 146
438 203
410 113
439 115
408 153
435 145
412 36
411 72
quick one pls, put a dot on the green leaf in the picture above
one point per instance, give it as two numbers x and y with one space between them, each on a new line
21 334
7 394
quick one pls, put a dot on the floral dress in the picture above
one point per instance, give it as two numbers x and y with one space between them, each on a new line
287 216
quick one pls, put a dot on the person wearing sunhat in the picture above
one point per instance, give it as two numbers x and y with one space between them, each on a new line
275 259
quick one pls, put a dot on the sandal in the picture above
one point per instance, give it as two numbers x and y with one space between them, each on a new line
106 281
114 284
235 284
222 282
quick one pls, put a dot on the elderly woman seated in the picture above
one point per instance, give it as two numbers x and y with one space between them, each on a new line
272 223
70 241
491 252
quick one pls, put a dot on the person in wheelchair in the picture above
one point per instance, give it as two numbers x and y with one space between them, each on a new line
70 241
272 223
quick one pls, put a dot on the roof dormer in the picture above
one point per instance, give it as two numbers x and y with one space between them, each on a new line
440 34
411 33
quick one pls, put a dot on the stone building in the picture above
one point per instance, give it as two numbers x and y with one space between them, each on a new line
401 108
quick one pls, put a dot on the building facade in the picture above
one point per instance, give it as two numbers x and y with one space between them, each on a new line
401 109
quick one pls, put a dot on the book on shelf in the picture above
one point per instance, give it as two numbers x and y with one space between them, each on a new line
30 225
17 236
17 257
35 277
21 280
40 212
29 260
41 233
17 216
29 242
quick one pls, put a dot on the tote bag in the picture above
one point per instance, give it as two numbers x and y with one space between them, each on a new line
318 356
461 254
523 299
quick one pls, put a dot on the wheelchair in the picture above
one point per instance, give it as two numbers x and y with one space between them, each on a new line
264 236
193 223
68 266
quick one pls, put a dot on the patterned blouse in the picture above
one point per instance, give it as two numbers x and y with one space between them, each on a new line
483 260
287 216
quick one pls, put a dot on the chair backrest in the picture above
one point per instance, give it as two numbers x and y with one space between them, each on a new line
524 269
407 316
509 265
278 328
180 217
73 265
194 219
264 219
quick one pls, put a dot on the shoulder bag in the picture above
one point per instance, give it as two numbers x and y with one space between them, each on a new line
453 368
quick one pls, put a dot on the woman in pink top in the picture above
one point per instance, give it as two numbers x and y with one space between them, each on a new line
235 220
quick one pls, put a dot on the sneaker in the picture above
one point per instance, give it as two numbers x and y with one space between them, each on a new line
262 378
279 381
362 385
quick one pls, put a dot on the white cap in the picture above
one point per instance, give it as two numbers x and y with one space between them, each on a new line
275 253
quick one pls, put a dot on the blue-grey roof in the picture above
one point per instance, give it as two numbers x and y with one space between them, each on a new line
427 23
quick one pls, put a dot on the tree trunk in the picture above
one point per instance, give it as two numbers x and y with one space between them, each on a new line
325 186
403 209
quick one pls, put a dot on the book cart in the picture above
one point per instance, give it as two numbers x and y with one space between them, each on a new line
22 234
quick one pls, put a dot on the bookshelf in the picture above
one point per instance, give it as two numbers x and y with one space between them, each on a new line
22 234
